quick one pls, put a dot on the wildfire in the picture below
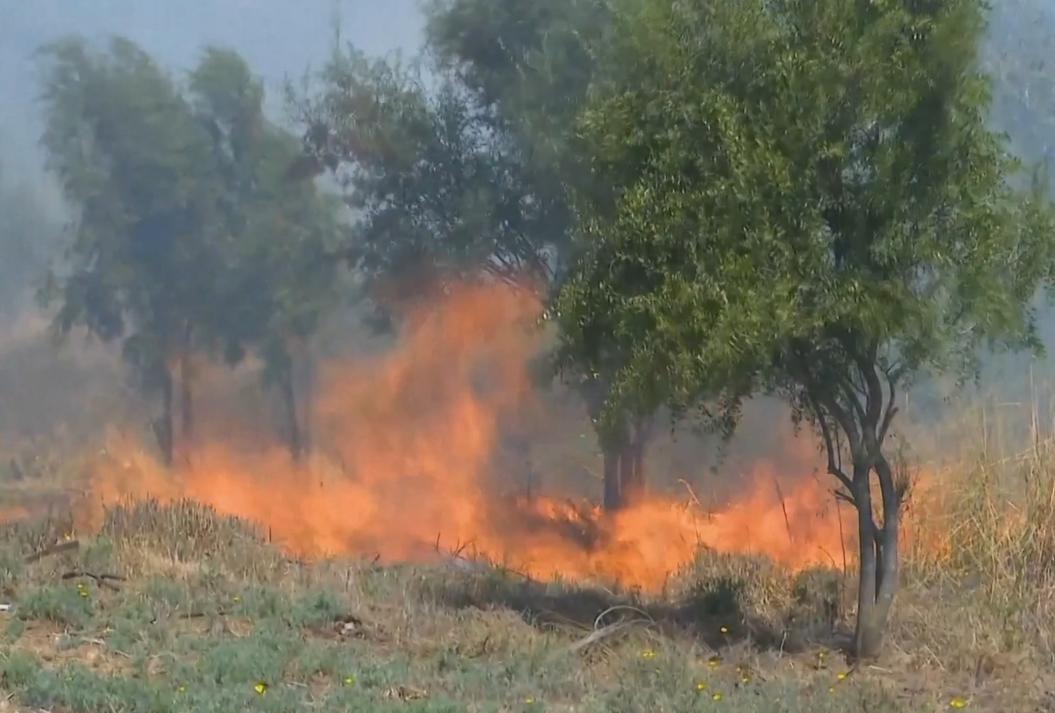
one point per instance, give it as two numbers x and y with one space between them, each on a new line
406 459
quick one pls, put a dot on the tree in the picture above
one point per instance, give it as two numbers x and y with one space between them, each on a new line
137 168
527 67
469 179
279 282
805 200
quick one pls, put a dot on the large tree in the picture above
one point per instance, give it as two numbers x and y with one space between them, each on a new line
138 171
806 200
279 280
467 174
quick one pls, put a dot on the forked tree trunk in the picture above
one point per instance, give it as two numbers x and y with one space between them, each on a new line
878 578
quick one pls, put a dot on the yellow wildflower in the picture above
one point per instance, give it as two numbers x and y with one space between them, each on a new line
260 687
701 686
349 680
957 703
648 654
716 697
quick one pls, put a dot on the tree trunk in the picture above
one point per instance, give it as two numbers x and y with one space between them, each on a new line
186 401
307 399
163 430
289 402
634 483
612 499
878 577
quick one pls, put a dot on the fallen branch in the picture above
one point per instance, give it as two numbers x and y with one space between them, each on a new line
603 632
103 580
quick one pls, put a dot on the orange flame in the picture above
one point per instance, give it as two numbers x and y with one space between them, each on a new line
409 445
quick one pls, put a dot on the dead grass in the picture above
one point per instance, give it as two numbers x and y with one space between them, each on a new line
210 608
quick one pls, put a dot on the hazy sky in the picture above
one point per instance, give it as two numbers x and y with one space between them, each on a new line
276 37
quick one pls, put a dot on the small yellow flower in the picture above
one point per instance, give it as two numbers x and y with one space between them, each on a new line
724 629
821 654
701 686
260 688
182 688
716 697
237 598
746 679
831 689
713 661
841 675
529 700
648 654
349 680
957 703
83 593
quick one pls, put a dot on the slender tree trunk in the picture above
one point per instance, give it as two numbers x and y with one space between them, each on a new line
307 399
163 429
612 499
635 482
878 578
186 400
289 401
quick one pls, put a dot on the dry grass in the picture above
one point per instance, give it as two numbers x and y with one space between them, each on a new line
209 608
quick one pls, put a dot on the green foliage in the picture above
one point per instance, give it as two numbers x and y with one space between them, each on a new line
188 238
137 168
802 194
280 279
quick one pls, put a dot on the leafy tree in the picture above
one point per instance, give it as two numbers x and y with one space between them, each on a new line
805 200
469 178
526 68
280 281
137 169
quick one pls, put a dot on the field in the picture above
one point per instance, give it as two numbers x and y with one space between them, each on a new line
238 583
203 614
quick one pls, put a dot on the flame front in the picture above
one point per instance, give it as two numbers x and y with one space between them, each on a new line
403 471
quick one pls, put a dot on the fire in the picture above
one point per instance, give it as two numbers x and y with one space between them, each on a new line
404 470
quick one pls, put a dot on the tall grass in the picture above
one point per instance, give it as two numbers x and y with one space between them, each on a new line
979 555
